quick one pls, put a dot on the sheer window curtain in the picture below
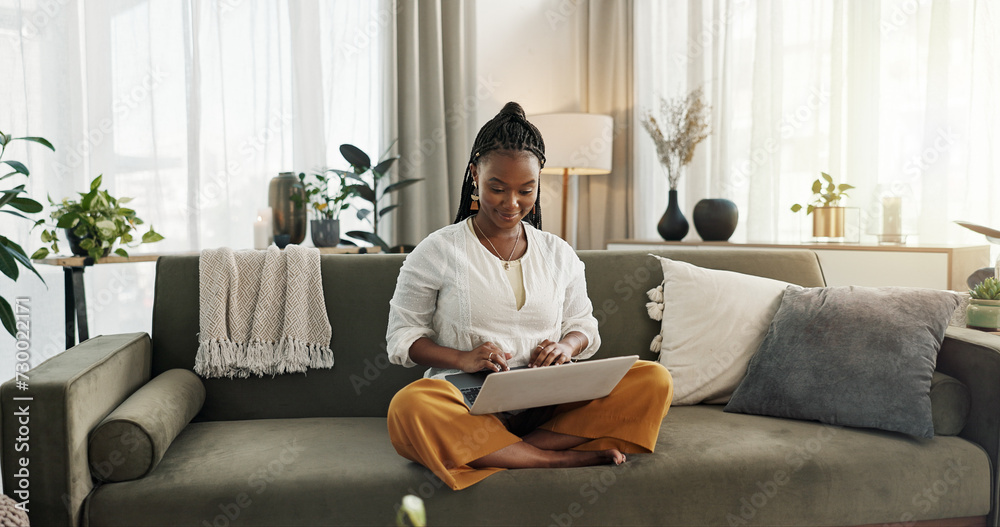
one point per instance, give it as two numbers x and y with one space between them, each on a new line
190 107
896 97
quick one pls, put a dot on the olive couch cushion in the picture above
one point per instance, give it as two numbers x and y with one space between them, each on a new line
132 439
709 468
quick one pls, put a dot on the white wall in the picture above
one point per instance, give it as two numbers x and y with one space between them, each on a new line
535 52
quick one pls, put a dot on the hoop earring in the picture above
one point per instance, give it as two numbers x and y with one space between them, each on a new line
475 198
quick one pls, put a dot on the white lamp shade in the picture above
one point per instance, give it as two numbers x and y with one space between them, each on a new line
581 142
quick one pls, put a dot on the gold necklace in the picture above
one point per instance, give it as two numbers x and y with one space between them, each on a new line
506 263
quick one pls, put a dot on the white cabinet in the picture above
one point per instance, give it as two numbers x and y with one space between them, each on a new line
936 267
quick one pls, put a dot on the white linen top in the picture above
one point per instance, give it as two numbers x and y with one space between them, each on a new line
454 291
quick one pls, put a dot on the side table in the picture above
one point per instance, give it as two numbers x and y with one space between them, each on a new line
76 296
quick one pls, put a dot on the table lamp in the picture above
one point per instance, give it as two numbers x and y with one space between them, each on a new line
575 143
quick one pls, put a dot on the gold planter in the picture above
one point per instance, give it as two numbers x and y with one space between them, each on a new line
828 222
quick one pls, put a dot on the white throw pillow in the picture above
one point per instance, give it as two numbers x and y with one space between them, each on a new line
712 323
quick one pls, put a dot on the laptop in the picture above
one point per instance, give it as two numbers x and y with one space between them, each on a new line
519 388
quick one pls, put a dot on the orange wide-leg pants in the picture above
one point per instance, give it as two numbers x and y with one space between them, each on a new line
430 423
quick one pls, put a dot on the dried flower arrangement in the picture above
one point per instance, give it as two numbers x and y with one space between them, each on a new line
685 124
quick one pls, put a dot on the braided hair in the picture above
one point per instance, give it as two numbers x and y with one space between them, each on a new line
508 130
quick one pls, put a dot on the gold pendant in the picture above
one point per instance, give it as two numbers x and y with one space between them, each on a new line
506 266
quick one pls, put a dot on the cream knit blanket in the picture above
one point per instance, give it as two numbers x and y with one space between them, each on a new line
262 312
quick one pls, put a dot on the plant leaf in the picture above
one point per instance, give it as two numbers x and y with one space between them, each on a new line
384 166
401 184
387 210
369 237
8 265
363 213
7 316
121 252
40 254
364 191
355 156
817 187
26 204
8 195
39 140
96 182
18 214
844 186
796 207
826 177
17 166
18 253
67 221
151 236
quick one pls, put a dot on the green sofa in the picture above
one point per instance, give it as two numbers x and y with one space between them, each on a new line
312 449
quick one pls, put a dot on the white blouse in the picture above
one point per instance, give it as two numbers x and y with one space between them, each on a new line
454 291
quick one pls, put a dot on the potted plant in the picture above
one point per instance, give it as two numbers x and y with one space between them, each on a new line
828 215
984 306
685 124
11 254
93 224
369 185
326 207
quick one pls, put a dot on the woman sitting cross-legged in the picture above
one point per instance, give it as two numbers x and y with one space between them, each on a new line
494 291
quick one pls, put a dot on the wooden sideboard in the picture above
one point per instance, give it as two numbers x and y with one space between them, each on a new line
932 266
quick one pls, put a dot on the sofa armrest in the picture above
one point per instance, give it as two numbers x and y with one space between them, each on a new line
67 396
973 357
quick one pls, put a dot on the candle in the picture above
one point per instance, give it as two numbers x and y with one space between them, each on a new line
261 234
892 216
265 215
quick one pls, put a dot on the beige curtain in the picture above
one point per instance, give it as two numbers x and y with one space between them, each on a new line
435 109
605 202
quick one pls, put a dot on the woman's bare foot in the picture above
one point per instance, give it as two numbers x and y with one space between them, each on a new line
526 455
585 459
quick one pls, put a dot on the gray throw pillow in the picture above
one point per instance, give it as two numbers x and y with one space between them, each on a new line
854 356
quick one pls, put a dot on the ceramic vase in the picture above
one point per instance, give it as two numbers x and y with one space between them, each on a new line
715 219
325 232
983 314
289 215
828 222
673 225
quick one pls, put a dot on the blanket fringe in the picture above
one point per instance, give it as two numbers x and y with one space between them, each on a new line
224 358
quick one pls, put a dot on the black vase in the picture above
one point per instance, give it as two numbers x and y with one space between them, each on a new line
715 219
673 227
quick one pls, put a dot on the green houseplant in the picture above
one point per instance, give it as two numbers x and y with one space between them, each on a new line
11 254
368 184
828 220
984 306
97 220
324 205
